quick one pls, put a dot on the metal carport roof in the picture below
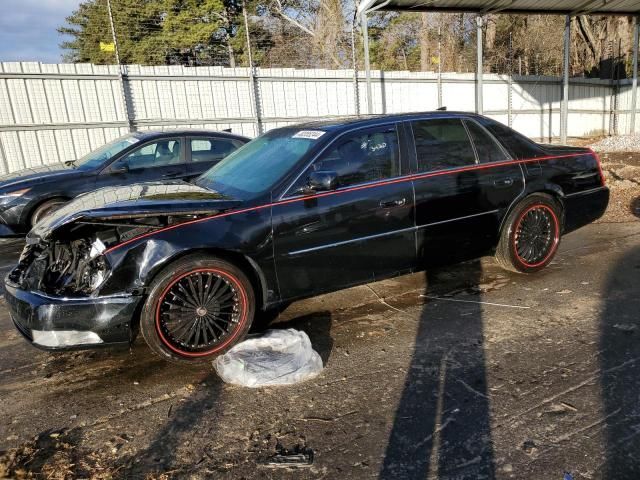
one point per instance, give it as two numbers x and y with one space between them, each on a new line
569 8
563 7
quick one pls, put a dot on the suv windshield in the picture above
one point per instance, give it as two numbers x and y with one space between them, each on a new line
98 157
258 165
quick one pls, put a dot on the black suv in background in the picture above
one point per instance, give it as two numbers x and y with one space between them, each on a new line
28 195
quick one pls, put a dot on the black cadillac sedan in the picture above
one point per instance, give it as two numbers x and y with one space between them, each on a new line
28 195
297 212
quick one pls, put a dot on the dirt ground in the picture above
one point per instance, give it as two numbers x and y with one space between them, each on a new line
467 372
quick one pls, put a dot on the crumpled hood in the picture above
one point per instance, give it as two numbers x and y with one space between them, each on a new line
28 176
135 201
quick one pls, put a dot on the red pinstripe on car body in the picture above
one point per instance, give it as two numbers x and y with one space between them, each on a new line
407 178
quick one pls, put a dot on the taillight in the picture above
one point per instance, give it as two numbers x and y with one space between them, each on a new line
597 157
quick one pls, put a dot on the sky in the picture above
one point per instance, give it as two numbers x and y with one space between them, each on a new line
28 29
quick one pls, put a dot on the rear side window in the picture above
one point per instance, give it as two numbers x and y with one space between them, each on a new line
516 144
442 143
486 147
212 149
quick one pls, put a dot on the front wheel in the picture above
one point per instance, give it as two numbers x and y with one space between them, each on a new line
531 235
197 309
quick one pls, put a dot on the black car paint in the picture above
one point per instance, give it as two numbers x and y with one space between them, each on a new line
295 245
64 181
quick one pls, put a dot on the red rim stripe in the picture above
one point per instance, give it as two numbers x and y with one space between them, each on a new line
243 318
408 178
556 235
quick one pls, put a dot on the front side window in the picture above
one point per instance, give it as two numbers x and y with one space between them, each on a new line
157 154
212 149
486 147
360 157
442 143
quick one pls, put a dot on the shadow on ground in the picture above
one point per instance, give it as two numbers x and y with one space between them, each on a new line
442 423
620 366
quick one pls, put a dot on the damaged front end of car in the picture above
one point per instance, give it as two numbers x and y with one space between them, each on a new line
70 261
55 293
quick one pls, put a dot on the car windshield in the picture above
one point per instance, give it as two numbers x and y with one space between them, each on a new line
98 157
258 165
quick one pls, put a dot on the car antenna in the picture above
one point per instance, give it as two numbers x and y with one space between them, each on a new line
441 109
228 130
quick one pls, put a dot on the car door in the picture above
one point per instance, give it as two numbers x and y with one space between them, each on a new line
359 232
161 159
462 189
205 152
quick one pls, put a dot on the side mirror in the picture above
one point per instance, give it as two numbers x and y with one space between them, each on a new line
322 181
120 168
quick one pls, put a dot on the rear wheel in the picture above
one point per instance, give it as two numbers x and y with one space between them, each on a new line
45 209
531 235
197 309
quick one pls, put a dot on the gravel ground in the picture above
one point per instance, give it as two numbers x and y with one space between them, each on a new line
622 173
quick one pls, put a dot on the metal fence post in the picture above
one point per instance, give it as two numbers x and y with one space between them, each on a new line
479 66
253 81
123 88
367 65
354 61
564 110
634 87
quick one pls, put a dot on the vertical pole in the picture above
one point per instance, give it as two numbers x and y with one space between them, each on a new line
132 127
253 84
479 65
564 111
634 87
439 67
510 86
367 65
354 62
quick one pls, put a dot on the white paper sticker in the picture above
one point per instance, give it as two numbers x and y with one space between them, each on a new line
310 134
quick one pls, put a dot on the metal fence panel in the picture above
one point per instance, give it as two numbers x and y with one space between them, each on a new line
57 112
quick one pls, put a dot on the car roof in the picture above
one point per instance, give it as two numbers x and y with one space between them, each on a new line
152 134
342 123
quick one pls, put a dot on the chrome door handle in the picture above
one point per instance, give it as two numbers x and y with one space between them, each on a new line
505 182
393 203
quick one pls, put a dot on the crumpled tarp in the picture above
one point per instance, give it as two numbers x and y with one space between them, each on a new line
277 357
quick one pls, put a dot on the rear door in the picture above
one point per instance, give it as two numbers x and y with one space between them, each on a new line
205 152
462 188
361 231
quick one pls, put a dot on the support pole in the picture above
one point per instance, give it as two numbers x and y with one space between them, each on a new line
634 88
354 61
367 65
253 83
123 89
564 110
479 65
439 67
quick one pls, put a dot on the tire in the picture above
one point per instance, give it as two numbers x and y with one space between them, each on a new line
44 209
531 234
181 325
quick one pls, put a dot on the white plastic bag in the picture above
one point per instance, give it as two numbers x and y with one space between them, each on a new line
278 357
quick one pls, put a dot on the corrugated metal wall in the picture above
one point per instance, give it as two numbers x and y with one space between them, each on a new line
51 113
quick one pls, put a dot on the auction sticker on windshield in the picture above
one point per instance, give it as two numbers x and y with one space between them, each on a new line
310 134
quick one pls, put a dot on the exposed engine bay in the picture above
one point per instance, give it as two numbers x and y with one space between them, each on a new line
70 262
